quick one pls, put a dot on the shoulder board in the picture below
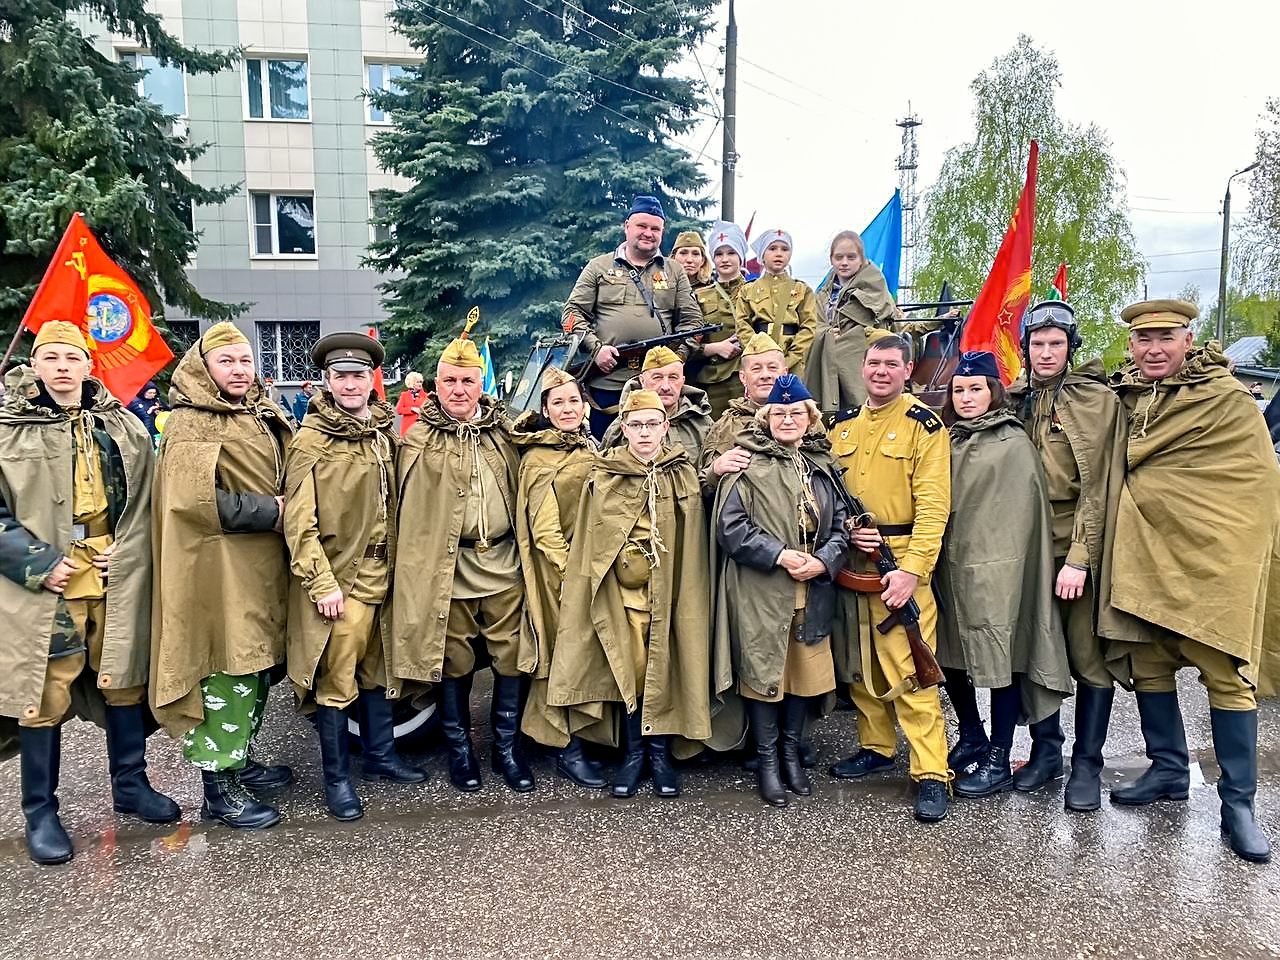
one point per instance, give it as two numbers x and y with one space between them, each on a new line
925 417
840 416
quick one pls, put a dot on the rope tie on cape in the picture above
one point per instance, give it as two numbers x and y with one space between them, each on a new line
382 452
804 499
1146 414
655 537
469 440
83 419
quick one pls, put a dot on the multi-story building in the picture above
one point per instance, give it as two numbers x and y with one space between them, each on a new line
291 124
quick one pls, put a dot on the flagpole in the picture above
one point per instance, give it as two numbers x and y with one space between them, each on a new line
13 345
48 271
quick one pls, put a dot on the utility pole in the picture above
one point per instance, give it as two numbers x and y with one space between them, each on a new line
729 152
1226 254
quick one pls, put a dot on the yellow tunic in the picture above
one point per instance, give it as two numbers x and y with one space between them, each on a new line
784 308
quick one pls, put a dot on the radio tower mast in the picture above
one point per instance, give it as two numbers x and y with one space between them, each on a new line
907 188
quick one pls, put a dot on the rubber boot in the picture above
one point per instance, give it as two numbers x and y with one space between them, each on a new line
793 712
992 776
47 841
505 718
666 782
381 760
339 796
627 780
1046 755
228 802
1169 776
1093 713
131 792
1235 741
573 763
764 733
455 721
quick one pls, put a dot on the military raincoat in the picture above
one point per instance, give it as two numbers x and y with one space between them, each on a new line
689 424
834 371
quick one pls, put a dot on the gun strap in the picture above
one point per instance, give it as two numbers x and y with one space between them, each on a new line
870 664
648 298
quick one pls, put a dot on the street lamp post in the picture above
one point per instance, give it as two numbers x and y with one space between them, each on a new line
1226 253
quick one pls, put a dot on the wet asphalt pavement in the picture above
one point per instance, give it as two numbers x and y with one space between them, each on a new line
564 872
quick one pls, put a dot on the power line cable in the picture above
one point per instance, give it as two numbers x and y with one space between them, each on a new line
1181 253
774 73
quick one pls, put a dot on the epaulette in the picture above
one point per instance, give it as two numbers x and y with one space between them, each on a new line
840 416
926 418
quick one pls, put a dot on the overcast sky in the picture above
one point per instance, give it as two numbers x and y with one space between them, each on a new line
1178 87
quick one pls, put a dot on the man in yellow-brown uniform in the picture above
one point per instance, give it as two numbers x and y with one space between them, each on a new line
896 455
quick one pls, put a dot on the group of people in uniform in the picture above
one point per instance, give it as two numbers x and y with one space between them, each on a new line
691 551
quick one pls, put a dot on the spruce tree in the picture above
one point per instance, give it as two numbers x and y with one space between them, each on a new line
527 129
76 135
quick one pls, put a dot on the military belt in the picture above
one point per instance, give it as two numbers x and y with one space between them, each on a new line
894 529
82 531
376 551
467 543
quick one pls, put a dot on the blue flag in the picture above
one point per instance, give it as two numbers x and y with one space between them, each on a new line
490 381
882 239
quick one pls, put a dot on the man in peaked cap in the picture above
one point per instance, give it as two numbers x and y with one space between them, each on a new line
1201 482
339 524
622 297
457 563
687 408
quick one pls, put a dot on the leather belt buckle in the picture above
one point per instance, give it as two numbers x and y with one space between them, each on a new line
79 531
376 551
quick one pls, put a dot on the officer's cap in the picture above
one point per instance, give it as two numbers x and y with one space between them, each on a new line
1159 314
347 352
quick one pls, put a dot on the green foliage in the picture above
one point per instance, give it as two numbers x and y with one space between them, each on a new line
75 135
1261 241
1248 315
1081 214
526 130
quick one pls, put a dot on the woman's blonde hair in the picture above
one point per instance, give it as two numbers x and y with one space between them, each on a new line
413 379
810 407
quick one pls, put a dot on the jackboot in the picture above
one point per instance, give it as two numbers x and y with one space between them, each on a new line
991 776
793 711
1093 713
572 762
227 801
47 841
666 782
131 792
627 780
1169 776
1046 755
764 733
339 796
1235 741
504 716
378 741
454 706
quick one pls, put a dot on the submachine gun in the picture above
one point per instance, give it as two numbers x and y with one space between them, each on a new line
928 673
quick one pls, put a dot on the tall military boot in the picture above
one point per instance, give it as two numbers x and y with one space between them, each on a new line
504 716
227 801
666 782
339 796
1093 713
378 741
973 744
131 792
1046 755
1235 741
1169 776
627 780
455 720
47 841
764 733
573 762
794 710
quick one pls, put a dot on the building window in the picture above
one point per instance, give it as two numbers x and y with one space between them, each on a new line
382 77
287 92
183 335
379 208
284 349
284 224
163 84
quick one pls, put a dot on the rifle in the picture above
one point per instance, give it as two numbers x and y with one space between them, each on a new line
641 347
928 673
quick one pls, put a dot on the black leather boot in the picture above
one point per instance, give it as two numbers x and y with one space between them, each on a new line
1169 776
381 760
861 764
131 792
573 763
764 733
992 776
1046 755
263 778
973 744
1093 713
455 720
1235 741
227 801
666 783
339 796
931 801
627 780
504 716
41 747
794 710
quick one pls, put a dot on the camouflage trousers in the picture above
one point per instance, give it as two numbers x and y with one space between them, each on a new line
233 710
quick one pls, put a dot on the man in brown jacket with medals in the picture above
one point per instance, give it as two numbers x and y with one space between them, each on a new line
457 565
339 523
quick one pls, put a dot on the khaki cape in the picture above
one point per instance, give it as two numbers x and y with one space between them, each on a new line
834 371
690 424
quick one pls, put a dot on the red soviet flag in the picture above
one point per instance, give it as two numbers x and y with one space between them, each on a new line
378 387
86 287
995 323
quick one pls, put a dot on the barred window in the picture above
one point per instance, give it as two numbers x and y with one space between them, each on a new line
284 349
183 335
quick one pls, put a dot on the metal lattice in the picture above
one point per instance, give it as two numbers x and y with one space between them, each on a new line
182 336
908 161
284 349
